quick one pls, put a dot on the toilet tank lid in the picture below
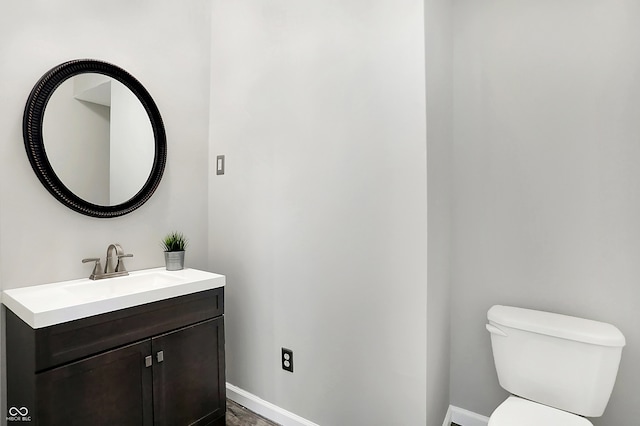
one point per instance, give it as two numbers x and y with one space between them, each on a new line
557 325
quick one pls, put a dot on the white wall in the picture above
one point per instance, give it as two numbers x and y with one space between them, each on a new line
546 178
320 220
165 45
439 92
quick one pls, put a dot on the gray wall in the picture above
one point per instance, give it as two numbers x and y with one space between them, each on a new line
439 77
546 178
166 47
320 220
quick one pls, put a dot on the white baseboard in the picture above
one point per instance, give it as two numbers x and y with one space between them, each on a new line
265 408
447 418
467 418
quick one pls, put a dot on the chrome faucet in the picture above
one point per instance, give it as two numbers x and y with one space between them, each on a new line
109 270
108 266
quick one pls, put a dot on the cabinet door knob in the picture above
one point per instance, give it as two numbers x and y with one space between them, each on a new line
160 356
148 361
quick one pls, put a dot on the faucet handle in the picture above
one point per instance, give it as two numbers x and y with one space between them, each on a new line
97 267
120 265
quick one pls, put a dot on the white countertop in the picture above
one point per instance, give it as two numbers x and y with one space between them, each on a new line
49 304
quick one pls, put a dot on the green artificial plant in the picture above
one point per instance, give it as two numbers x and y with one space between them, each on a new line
174 241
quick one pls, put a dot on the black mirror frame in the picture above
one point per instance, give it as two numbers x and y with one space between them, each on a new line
34 143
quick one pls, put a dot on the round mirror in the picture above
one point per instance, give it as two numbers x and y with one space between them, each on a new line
94 138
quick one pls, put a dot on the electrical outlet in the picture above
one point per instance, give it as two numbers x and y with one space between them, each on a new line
287 359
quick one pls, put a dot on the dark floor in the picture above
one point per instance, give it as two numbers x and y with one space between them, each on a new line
237 415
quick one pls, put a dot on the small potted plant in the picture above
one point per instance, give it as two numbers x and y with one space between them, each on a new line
174 245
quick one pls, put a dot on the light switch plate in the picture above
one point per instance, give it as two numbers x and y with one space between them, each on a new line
220 165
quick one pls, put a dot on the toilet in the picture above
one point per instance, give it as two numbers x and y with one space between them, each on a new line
559 369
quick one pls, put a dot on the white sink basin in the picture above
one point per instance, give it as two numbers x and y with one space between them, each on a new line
119 286
50 304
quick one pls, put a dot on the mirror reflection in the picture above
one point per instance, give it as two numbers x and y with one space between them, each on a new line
98 139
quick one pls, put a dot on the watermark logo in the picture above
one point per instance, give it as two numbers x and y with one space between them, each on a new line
19 414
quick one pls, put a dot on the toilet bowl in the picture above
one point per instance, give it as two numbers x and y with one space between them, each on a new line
515 411
559 369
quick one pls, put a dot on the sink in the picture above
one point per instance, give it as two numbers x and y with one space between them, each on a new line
49 304
119 286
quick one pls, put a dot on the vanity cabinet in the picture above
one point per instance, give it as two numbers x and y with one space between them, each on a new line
156 364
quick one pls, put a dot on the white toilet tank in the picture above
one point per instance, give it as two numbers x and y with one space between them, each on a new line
564 362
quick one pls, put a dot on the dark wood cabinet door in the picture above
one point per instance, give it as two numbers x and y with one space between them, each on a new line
188 375
112 388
